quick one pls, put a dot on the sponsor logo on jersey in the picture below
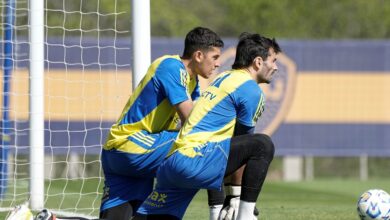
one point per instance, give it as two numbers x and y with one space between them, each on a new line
208 95
156 199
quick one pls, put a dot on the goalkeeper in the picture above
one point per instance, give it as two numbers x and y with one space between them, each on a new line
142 136
205 152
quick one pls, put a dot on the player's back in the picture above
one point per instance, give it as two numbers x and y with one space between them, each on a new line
150 108
232 96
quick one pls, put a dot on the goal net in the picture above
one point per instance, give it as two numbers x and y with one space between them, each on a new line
87 81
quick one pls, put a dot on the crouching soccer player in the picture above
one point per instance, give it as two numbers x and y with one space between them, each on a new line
205 152
142 137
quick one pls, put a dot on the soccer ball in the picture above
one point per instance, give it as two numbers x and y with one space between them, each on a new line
374 204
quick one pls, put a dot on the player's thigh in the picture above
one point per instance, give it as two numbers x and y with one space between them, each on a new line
195 168
167 201
119 190
244 147
123 161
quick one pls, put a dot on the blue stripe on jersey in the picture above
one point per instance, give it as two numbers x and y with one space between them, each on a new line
218 82
139 142
250 102
146 102
220 115
196 93
143 139
172 80
167 83
241 104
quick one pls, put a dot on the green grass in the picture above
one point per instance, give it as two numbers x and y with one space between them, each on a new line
315 200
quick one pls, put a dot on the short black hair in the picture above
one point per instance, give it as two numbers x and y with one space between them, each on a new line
200 38
251 46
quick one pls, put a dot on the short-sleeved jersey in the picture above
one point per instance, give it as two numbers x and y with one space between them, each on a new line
150 109
232 97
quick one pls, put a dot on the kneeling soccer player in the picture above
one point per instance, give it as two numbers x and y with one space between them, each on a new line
205 152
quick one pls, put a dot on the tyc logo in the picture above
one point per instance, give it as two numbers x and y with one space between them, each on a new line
208 95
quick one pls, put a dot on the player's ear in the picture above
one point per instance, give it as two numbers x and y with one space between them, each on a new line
258 63
197 56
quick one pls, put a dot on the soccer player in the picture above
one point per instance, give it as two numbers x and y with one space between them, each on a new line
143 135
205 152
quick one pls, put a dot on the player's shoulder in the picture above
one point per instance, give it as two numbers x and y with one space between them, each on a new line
170 61
241 75
168 66
238 79
245 85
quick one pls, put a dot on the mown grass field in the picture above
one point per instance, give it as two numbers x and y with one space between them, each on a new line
314 200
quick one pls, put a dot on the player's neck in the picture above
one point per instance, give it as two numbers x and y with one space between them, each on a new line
251 72
189 67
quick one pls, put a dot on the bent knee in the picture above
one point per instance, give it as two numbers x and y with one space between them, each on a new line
265 146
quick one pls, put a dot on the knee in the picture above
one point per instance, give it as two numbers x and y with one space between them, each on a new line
265 146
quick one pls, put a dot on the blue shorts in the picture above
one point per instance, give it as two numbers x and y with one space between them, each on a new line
130 176
179 177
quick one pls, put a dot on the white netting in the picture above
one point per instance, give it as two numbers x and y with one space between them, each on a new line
87 80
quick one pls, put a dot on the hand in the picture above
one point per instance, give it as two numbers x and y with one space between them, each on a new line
230 212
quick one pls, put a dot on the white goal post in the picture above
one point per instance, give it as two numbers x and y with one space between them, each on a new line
36 110
141 39
70 79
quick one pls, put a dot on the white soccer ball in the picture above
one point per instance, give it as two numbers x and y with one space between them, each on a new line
374 204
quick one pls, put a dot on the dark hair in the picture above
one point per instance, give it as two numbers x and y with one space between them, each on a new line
200 38
251 46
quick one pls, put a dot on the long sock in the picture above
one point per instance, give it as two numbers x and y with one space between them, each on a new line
214 211
245 210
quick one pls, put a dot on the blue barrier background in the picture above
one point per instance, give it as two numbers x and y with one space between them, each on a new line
292 137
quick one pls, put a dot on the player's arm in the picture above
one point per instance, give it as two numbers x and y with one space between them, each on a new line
184 109
173 82
241 129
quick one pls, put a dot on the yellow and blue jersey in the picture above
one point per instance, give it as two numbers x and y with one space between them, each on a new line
141 138
199 155
150 109
232 97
